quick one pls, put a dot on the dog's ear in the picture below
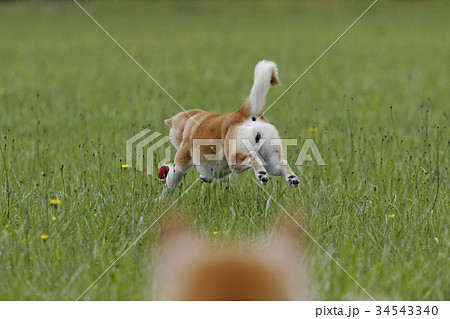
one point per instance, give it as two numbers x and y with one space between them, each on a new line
285 252
178 244
284 247
168 122
179 249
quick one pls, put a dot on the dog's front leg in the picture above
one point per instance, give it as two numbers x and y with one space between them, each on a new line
182 162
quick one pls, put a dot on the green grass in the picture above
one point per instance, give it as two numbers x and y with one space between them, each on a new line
70 98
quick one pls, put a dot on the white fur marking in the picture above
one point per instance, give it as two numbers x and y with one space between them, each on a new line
262 82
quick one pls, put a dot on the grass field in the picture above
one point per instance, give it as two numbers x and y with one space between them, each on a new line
70 98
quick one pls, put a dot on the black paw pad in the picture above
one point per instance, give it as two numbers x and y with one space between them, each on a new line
293 180
263 178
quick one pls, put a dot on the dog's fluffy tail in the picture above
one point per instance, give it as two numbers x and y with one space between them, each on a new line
266 75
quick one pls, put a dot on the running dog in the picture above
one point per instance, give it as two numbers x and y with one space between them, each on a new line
221 144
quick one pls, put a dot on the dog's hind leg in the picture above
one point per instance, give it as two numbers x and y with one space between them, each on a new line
258 167
240 161
278 165
273 155
286 170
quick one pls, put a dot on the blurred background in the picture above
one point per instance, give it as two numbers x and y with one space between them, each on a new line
376 105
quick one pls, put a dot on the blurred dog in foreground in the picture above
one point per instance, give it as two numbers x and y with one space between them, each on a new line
190 270
237 141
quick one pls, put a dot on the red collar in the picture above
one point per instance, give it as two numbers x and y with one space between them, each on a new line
182 128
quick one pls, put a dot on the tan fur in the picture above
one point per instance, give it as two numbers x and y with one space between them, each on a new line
185 127
232 277
189 269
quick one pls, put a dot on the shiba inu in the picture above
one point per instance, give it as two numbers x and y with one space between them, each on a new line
236 141
189 269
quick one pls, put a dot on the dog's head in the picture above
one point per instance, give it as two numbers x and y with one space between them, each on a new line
190 270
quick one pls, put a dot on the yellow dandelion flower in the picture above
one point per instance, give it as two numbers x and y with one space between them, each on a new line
95 287
53 218
392 216
44 237
215 232
341 160
55 202
2 91
124 166
312 129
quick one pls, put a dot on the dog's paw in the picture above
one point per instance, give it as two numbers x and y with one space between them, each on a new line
262 177
293 180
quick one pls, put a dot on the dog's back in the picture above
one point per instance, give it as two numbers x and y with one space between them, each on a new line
177 123
265 76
